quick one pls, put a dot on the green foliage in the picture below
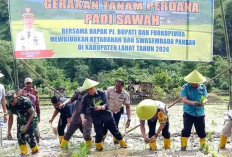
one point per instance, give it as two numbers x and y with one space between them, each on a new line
158 93
4 24
167 76
210 136
83 151
213 154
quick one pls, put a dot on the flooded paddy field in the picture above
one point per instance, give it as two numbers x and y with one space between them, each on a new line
49 143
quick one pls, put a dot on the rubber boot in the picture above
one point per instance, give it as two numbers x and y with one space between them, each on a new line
123 143
99 146
61 138
89 144
63 143
184 141
115 140
23 149
152 145
223 141
202 143
35 149
167 143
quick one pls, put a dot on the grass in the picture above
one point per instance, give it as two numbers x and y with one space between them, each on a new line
84 150
76 151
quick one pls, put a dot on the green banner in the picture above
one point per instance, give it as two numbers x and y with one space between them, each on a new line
132 29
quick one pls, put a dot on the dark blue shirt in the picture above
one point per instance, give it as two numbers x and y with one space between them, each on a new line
88 103
66 112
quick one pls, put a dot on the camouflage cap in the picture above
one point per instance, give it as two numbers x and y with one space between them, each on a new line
10 95
27 12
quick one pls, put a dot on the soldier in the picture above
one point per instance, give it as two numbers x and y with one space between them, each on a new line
193 94
152 111
76 120
117 97
26 121
65 114
32 94
2 99
95 100
29 38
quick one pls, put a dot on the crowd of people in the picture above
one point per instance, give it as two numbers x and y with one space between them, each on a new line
103 109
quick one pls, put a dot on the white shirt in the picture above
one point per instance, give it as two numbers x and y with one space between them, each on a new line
30 39
2 92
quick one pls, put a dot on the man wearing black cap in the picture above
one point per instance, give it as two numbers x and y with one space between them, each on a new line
65 114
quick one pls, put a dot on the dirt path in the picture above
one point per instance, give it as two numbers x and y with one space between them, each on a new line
136 147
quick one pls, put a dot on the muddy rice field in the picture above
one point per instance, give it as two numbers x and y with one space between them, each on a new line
49 143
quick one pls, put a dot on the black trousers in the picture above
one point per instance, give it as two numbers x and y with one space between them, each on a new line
199 123
111 126
152 128
61 125
116 117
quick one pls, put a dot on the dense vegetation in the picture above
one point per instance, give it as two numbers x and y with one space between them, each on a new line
167 76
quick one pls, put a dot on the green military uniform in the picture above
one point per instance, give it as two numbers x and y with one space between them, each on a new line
21 109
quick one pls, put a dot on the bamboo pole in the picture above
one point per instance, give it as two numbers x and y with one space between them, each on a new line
52 88
227 52
131 130
16 80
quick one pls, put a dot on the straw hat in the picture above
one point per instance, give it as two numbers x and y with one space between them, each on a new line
146 109
195 77
88 84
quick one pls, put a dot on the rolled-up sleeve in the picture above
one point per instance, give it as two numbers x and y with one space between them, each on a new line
75 96
183 91
205 91
127 100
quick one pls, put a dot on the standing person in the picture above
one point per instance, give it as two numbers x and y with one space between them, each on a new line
65 114
152 111
76 120
96 101
29 38
3 100
26 121
116 98
226 130
192 94
32 94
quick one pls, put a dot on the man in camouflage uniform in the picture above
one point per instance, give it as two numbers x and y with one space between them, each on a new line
32 94
26 121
